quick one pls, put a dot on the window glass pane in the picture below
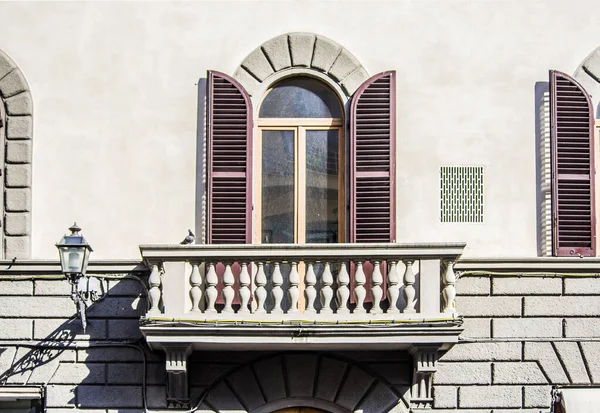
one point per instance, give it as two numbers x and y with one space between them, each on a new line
300 97
321 186
278 166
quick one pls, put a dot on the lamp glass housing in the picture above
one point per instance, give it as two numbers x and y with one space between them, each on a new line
74 253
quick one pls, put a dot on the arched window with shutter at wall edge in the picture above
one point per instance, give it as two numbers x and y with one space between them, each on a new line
572 145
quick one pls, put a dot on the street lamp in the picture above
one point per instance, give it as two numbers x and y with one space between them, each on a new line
74 253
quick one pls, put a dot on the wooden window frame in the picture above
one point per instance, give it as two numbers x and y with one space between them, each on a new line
300 126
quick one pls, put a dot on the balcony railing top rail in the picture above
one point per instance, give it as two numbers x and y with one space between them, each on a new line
156 253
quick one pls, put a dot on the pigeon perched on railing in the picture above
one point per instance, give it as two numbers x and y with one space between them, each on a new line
190 239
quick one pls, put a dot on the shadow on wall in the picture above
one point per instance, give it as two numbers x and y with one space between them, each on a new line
201 164
105 367
542 167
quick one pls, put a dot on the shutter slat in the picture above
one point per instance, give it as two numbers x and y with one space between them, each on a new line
572 173
372 169
230 161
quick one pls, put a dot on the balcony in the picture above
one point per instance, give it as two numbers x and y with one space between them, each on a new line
294 296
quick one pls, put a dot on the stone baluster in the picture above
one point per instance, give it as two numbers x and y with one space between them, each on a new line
359 288
228 291
294 292
195 291
310 292
409 289
326 291
211 291
393 291
277 291
260 294
154 293
449 292
376 290
343 292
244 288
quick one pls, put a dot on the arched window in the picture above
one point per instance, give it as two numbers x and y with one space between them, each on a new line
301 177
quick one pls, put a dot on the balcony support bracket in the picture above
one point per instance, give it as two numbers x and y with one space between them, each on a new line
425 359
177 375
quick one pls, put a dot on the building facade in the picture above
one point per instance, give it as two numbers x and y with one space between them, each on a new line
390 205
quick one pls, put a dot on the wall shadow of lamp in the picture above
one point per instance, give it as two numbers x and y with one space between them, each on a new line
74 252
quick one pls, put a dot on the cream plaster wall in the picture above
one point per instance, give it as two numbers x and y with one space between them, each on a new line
115 104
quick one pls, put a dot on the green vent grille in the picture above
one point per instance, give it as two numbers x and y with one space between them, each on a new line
461 193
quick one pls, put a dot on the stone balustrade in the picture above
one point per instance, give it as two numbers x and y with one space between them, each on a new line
328 282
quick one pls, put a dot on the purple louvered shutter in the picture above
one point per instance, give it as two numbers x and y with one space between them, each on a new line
572 143
372 148
229 126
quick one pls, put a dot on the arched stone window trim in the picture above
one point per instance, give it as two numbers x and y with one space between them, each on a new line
16 131
308 52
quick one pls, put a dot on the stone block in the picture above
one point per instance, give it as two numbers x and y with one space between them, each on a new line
379 399
489 306
301 48
562 306
537 396
247 80
526 286
582 327
43 373
24 287
572 360
68 329
277 51
445 397
591 352
157 397
354 80
60 396
126 286
20 104
57 287
19 127
544 354
109 355
16 329
117 307
18 151
484 352
527 327
393 373
343 65
17 199
18 176
592 64
518 373
473 286
205 374
17 223
33 307
331 372
582 286
463 373
155 373
6 358
477 327
127 329
12 84
270 376
17 246
257 64
109 396
79 373
489 396
6 65
18 368
325 53
354 387
244 385
303 366
125 373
